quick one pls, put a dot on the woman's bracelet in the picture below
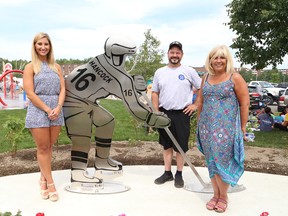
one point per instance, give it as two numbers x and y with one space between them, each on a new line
59 105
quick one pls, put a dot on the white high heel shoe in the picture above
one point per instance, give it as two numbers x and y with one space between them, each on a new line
44 192
53 196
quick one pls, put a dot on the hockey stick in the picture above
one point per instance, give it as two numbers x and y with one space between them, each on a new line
205 185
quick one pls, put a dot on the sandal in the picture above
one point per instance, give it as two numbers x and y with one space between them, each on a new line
221 206
212 203
44 192
53 196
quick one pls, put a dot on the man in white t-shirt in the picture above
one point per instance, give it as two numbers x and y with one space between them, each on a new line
172 93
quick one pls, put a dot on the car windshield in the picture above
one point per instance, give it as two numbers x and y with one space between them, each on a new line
266 85
252 89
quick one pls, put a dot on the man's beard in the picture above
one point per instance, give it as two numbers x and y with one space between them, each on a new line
174 60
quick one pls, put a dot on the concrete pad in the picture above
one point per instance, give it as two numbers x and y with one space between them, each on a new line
263 193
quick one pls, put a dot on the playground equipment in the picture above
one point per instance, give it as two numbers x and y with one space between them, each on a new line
3 77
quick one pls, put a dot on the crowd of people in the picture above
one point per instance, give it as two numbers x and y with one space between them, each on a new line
222 106
268 120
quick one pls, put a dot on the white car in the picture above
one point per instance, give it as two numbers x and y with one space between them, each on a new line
283 100
272 92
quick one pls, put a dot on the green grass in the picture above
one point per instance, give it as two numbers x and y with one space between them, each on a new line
127 128
273 139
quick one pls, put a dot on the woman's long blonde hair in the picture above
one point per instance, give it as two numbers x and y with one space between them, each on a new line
36 62
217 51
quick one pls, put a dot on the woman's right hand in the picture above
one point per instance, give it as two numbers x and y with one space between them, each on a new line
53 114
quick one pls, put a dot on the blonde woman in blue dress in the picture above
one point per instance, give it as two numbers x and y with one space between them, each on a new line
45 89
222 116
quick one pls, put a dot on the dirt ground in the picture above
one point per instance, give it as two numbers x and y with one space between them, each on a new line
264 160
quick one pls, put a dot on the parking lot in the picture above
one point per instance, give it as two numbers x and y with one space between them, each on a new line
273 107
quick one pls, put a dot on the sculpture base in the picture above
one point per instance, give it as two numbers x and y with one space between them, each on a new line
209 189
105 174
107 188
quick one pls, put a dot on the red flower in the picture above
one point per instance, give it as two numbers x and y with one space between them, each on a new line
40 214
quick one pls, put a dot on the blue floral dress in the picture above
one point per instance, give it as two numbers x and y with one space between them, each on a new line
47 87
219 135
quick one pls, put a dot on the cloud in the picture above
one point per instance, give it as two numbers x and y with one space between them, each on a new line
16 3
79 28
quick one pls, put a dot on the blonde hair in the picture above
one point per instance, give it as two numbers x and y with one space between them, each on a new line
36 62
217 51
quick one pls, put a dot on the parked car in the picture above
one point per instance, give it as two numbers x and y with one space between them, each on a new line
283 100
275 84
272 92
282 85
257 99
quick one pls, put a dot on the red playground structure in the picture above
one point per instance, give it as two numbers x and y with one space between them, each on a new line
3 77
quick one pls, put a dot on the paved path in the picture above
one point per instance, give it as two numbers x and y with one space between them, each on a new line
263 193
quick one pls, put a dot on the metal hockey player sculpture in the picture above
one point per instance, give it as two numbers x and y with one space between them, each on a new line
102 76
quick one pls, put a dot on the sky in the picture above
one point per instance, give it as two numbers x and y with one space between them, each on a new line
79 28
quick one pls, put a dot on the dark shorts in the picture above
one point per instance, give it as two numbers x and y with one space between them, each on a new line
280 126
180 128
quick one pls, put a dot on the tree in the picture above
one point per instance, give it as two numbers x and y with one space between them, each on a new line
261 28
246 74
72 61
273 76
149 58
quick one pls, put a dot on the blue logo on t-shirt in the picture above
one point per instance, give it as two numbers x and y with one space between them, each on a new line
181 77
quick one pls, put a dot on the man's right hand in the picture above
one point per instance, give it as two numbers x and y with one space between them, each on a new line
158 120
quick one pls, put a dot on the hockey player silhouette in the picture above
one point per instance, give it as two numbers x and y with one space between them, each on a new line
102 76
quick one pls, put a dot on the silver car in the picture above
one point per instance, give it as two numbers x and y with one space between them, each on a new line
283 100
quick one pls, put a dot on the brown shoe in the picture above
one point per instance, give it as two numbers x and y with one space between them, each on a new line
221 205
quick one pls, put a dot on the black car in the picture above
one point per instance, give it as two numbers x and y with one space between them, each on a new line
283 85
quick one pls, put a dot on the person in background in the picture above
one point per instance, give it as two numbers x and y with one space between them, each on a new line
17 89
223 108
44 86
172 93
194 95
283 113
266 120
284 125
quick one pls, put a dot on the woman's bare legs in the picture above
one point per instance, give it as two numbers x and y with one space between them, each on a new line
44 139
223 187
220 190
215 187
210 205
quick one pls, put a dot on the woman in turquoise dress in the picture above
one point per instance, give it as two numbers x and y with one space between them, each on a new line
223 108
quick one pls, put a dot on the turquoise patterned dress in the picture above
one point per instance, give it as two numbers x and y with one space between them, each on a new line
219 135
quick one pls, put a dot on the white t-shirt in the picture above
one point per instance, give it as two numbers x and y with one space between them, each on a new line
174 86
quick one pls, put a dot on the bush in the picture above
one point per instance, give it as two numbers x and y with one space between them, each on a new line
14 131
